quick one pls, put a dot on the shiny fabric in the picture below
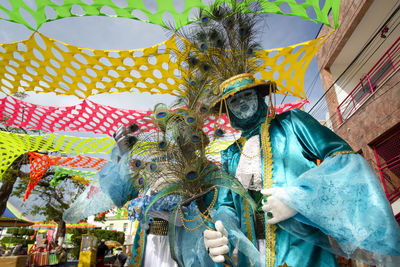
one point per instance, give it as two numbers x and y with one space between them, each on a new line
115 179
157 252
165 204
115 187
350 206
248 171
110 187
330 199
190 249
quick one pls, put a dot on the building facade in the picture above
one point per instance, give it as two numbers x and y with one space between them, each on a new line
117 220
359 69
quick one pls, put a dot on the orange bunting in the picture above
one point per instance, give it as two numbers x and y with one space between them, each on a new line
40 163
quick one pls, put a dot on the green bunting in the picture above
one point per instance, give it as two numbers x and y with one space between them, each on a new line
162 12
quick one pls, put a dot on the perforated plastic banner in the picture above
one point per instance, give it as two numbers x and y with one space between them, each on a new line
60 171
13 145
161 12
215 146
84 117
40 163
289 106
39 224
92 117
41 64
287 65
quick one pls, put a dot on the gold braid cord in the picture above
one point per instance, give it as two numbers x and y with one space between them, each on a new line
139 250
249 230
342 152
267 182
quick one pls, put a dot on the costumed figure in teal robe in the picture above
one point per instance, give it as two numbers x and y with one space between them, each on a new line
308 212
270 204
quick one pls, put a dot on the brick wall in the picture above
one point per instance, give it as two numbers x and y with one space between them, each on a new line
351 13
378 114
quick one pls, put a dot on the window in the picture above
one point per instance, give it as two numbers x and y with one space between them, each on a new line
111 226
370 85
387 154
386 65
125 227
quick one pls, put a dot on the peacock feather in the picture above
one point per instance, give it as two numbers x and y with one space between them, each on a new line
174 160
224 41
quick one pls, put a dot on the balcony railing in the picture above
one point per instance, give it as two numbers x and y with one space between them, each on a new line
385 66
387 155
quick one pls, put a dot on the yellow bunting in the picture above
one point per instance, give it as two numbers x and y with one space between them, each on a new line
81 180
13 145
215 147
287 65
42 64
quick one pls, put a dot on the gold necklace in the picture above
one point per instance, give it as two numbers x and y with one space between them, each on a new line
200 215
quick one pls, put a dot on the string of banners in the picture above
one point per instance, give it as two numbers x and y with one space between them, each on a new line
33 14
42 65
95 118
40 163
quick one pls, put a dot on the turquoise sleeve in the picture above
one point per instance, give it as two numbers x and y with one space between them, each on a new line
344 199
318 141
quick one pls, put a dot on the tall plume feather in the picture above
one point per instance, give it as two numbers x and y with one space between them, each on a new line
223 43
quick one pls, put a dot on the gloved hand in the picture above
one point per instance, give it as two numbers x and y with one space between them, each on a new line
216 242
275 207
124 138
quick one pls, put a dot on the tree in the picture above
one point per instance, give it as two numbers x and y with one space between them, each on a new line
50 199
9 178
14 171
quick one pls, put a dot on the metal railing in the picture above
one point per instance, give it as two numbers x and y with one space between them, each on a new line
387 155
385 66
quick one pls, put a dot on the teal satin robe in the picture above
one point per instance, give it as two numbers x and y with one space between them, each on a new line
297 141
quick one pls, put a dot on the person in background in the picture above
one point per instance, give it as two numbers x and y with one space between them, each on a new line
121 257
21 249
62 255
101 252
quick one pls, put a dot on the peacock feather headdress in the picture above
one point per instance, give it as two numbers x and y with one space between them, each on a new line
223 46
173 160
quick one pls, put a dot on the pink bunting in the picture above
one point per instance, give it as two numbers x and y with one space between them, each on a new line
289 106
96 118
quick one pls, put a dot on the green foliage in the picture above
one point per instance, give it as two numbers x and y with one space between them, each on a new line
19 235
14 240
108 235
102 218
52 200
20 231
77 233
